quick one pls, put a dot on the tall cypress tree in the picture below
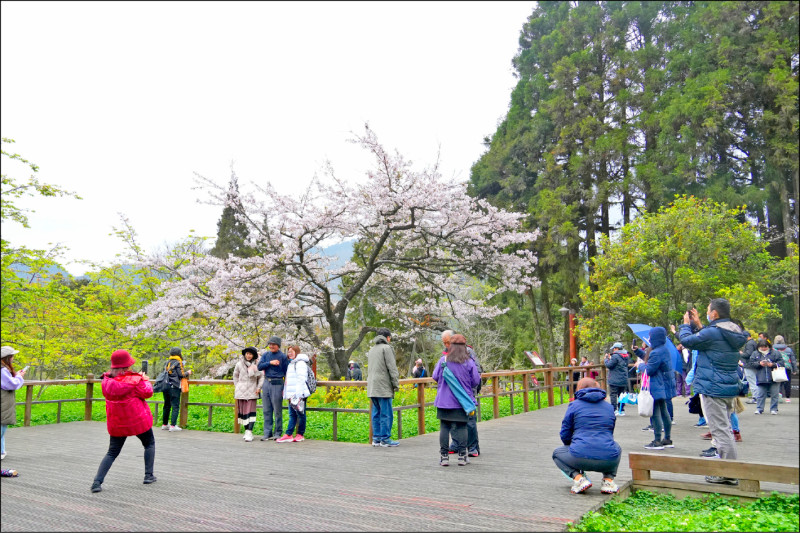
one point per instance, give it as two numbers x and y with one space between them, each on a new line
231 233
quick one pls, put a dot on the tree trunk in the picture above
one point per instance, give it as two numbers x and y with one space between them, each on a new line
537 328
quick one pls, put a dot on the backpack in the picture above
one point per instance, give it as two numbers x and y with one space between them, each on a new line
161 384
786 359
311 380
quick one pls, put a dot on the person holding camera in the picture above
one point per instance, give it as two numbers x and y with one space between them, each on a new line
172 396
127 414
716 376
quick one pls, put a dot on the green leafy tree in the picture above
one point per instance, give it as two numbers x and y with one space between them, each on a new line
686 253
231 233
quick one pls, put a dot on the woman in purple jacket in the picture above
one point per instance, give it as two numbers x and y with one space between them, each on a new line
587 432
452 418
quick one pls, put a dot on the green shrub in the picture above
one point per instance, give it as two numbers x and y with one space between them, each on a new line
647 511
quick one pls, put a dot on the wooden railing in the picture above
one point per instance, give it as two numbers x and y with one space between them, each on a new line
497 384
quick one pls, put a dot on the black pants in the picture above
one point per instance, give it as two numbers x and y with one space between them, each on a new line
661 419
115 446
472 435
572 466
615 392
459 432
172 400
787 385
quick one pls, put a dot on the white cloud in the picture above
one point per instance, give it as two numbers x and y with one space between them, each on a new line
121 102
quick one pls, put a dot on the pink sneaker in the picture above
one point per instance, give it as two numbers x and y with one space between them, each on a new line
285 438
299 438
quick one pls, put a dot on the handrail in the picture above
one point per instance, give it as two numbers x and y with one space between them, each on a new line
495 392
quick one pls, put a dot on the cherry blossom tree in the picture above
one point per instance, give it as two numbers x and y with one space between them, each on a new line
422 244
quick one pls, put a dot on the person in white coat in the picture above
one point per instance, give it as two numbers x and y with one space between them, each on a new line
296 391
247 381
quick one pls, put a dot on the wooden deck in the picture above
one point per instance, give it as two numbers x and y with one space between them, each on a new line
217 482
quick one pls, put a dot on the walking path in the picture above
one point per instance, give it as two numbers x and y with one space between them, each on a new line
217 482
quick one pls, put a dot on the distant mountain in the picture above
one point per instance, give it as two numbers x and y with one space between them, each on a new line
24 271
342 252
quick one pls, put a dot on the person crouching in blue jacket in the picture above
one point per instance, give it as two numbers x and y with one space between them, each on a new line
587 432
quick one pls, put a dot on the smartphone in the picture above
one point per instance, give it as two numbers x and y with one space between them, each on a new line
26 368
144 367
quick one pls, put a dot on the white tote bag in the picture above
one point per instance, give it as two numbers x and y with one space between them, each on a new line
779 374
645 398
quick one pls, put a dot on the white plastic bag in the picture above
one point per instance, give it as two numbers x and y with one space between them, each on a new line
779 374
645 399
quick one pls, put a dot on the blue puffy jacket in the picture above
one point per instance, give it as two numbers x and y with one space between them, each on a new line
717 348
618 369
588 426
659 366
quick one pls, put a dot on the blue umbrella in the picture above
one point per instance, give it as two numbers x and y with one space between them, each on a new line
643 332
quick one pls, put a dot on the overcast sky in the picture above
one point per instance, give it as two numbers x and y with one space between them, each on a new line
123 102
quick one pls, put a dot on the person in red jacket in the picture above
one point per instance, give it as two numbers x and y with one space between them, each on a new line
127 414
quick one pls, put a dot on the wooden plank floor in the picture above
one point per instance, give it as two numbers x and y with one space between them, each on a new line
217 482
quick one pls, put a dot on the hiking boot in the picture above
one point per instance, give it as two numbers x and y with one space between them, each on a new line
96 487
299 438
667 443
149 478
444 459
706 436
710 453
737 436
389 443
285 438
175 428
580 485
722 480
654 445
609 487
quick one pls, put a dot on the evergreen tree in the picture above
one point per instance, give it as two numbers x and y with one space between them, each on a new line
231 233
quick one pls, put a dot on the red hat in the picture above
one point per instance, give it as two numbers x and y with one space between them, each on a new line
122 359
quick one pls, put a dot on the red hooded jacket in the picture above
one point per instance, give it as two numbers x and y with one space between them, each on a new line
127 413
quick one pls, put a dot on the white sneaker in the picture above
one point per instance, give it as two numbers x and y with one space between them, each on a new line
609 487
175 428
248 436
580 485
2 455
165 427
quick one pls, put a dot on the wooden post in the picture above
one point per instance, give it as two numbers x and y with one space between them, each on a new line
369 415
28 404
87 406
548 383
184 409
526 388
495 397
604 377
421 409
210 416
58 413
336 426
236 428
571 385
399 424
511 397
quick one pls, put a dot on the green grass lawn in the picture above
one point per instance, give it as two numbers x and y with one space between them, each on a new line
352 427
648 511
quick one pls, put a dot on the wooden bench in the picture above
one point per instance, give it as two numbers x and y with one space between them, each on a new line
750 475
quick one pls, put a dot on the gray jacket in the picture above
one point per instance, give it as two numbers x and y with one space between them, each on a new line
383 379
